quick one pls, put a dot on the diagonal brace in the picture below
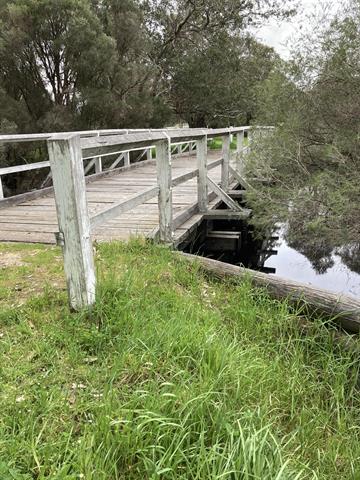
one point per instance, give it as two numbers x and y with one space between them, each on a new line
224 196
240 179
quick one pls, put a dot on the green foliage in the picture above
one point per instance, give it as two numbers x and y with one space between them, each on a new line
224 91
312 159
172 375
72 64
83 64
51 53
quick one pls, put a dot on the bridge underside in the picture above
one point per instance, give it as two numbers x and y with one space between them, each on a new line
35 221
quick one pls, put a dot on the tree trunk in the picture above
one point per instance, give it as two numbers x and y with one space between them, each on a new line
197 121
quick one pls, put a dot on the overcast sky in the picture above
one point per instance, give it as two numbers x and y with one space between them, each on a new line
278 35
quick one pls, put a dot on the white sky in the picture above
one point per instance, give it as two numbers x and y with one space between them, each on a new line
278 35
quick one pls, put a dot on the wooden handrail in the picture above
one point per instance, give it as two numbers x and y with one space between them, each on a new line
67 151
123 207
104 142
38 137
24 168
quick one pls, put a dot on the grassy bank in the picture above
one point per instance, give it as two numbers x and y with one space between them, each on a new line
173 376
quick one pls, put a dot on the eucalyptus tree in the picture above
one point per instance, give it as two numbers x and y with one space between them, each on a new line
215 83
206 58
313 157
53 56
68 64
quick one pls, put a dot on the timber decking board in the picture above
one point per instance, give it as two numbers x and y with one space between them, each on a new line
35 221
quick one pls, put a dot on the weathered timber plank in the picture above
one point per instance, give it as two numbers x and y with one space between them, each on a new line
163 165
24 168
202 191
27 237
236 193
226 214
122 207
26 227
73 218
226 162
224 196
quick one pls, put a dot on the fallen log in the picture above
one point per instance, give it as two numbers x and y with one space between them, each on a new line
342 309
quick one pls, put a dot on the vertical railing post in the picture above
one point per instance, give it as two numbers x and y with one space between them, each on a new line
148 154
98 165
239 151
201 155
226 162
163 166
249 139
1 189
98 161
126 159
73 219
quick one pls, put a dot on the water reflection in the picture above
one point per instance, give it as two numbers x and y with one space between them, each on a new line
317 262
350 255
306 258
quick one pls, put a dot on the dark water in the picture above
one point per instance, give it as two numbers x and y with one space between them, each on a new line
312 261
289 263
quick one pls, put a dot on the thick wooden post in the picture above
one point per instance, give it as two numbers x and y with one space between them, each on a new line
239 151
201 155
226 162
98 161
98 165
73 218
249 139
1 189
163 165
126 159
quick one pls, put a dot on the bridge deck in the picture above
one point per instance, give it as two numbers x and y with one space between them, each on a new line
35 221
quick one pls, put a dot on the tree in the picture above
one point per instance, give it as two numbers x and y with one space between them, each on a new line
130 100
53 54
71 64
227 70
203 55
312 158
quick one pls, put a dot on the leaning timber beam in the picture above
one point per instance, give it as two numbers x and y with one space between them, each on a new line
226 215
236 193
224 196
343 309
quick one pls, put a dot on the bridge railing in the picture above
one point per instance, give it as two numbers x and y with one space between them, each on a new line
67 153
92 165
42 137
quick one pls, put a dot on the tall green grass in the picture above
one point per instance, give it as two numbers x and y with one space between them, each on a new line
173 375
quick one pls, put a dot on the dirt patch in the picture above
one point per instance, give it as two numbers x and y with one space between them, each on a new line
11 259
16 259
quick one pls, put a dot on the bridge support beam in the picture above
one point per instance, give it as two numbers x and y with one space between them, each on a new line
73 219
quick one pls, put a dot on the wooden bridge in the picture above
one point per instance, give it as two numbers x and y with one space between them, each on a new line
155 183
